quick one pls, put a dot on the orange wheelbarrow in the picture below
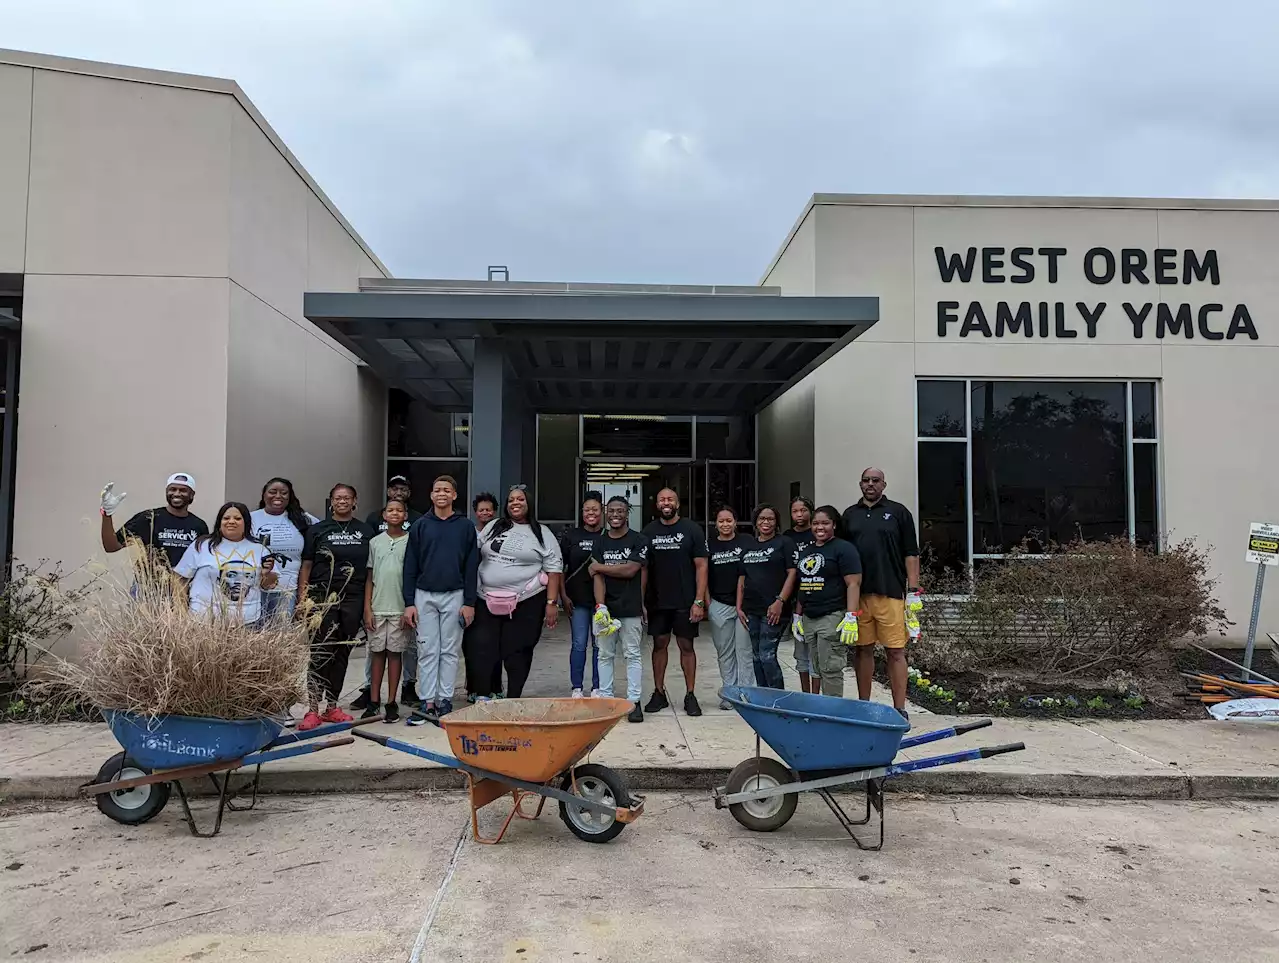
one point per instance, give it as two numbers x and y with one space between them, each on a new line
532 747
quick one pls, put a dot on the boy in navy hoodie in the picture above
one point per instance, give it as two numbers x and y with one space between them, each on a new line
440 564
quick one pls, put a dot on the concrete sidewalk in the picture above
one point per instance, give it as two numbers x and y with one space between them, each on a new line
671 751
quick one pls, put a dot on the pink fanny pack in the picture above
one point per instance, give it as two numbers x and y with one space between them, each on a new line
502 602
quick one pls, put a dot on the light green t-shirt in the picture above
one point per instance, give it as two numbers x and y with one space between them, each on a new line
386 564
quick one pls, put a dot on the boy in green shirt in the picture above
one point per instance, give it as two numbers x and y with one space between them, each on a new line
384 607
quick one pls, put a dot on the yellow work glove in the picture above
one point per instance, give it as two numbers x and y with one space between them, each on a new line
603 623
914 603
848 629
797 628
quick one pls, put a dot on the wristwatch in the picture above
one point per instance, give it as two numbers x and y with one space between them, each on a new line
779 598
699 603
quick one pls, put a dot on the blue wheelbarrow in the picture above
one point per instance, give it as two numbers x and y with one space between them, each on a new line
826 743
161 751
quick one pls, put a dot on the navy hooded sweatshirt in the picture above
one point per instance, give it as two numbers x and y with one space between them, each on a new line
442 556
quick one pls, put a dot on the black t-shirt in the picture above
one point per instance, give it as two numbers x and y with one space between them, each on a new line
163 532
622 595
821 570
724 566
802 539
672 549
576 546
339 555
765 565
379 526
884 537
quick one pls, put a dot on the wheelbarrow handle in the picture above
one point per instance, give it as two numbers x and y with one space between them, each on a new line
377 737
937 734
970 726
987 751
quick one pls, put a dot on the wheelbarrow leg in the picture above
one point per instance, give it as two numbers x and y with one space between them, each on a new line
186 809
482 792
250 785
875 800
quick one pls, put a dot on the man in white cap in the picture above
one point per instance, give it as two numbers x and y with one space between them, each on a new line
165 531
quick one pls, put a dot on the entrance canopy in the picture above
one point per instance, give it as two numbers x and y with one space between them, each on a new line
592 347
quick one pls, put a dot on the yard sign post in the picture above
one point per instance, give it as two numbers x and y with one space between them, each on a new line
1264 550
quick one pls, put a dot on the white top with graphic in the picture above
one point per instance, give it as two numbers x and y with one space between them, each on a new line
511 561
286 544
224 578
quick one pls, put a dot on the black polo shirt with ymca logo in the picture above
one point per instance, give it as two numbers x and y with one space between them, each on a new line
672 549
724 566
164 532
884 535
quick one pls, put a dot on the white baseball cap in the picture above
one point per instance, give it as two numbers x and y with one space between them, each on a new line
181 478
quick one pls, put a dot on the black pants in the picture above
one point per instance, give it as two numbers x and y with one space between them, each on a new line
331 649
499 641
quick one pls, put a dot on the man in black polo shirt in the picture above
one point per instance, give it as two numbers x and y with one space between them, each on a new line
884 534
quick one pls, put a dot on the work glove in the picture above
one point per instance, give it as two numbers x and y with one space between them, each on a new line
914 603
603 623
110 500
848 629
797 628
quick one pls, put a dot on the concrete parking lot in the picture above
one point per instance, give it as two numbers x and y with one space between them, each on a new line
394 877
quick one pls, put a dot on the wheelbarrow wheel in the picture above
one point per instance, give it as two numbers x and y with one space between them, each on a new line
129 806
761 815
599 784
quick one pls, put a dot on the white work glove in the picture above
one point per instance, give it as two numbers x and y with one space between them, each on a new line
914 603
603 623
110 500
848 629
797 628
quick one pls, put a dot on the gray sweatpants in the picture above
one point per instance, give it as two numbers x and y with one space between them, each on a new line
628 639
439 644
732 644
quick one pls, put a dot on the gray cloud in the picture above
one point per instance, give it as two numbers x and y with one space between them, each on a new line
662 141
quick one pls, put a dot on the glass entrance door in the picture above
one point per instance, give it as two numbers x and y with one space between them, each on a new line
731 483
637 482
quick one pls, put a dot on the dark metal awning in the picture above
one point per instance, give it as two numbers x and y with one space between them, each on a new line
593 348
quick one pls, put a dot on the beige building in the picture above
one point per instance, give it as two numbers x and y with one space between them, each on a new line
1041 367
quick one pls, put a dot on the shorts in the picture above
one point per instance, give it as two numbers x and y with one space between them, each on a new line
883 621
389 635
672 622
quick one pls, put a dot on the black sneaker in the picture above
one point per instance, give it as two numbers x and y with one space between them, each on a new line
691 707
657 701
361 701
636 714
370 710
903 713
421 715
392 712
441 711
409 692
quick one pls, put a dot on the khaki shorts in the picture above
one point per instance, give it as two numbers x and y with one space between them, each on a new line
883 621
389 635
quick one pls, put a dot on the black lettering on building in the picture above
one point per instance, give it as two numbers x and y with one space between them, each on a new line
1194 267
1091 317
1060 322
975 320
1202 322
1133 264
949 265
1241 323
992 261
1018 258
1011 321
1166 260
1166 320
946 315
1043 312
1137 317
1091 271
1053 253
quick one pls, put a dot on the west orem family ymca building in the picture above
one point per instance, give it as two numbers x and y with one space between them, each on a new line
176 292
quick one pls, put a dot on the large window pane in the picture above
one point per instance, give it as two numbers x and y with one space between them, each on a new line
640 436
414 429
421 475
1144 409
557 493
1146 521
940 409
730 436
1048 463
732 485
944 532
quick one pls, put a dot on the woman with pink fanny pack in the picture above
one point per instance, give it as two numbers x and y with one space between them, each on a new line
520 572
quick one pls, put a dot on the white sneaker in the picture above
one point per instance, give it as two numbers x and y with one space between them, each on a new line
577 693
599 694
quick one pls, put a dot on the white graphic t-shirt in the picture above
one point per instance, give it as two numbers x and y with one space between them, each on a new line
286 544
512 560
224 578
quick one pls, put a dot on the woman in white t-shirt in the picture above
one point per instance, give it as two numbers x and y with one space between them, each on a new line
280 524
519 581
227 570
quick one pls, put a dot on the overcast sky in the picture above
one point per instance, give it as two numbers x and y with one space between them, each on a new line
669 141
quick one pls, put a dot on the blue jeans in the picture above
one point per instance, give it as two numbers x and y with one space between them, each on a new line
580 626
764 650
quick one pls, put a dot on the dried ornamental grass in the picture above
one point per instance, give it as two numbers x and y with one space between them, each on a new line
151 656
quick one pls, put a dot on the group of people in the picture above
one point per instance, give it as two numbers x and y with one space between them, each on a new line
433 590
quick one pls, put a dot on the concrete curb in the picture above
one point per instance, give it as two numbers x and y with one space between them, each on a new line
955 782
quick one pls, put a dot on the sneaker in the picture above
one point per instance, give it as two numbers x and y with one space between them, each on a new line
724 704
371 711
334 714
657 701
480 700
601 694
636 714
409 692
310 721
442 710
903 713
362 701
391 712
576 694
421 715
472 698
691 707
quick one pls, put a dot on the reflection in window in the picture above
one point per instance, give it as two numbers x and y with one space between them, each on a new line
416 430
940 409
944 523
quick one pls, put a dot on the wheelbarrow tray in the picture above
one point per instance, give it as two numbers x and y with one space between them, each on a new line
532 740
816 733
173 741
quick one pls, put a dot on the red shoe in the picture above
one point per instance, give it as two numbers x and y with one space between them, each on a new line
310 721
334 714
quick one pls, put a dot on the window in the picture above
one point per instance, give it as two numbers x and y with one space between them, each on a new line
421 475
641 436
416 430
1003 463
727 437
557 490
